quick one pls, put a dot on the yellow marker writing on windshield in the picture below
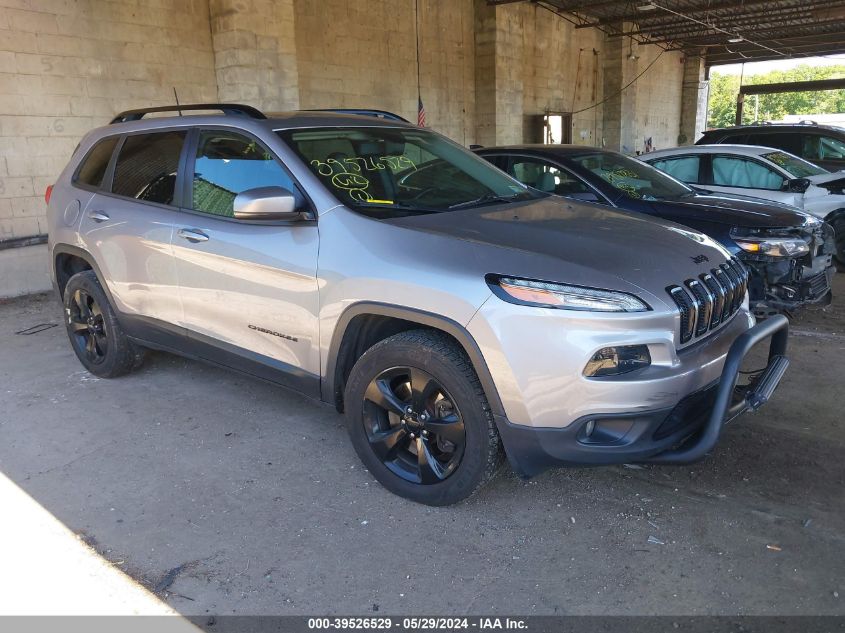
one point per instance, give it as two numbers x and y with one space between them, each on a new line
380 201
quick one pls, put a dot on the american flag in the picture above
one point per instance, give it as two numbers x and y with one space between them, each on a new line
420 113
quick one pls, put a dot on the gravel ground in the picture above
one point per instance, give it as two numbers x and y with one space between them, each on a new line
227 495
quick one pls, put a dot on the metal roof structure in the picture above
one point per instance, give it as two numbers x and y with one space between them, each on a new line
723 31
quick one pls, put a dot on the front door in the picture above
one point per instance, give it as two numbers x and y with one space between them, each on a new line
248 289
748 177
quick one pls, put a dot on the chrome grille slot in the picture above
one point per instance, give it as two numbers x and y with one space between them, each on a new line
719 294
723 278
735 282
710 300
705 300
688 308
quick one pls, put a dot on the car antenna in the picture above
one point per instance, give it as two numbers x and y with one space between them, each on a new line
176 96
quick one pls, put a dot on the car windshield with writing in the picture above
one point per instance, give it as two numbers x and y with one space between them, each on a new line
393 172
631 177
796 167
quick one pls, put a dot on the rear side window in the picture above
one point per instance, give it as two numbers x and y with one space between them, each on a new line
684 168
94 165
146 166
789 142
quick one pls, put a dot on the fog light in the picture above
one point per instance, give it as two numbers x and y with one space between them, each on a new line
612 361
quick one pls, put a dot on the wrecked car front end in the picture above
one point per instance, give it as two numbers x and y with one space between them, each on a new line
790 267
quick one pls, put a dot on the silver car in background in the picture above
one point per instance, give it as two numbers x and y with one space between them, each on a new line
453 313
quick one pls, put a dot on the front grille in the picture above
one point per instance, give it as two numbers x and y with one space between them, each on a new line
818 285
710 300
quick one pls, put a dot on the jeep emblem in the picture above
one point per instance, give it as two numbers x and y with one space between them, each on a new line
700 259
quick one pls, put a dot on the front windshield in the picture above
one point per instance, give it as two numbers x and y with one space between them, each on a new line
796 167
631 177
393 172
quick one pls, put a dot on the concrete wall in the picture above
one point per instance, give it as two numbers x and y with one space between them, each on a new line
66 67
486 74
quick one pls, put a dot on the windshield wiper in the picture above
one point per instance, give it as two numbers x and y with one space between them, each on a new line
487 197
396 206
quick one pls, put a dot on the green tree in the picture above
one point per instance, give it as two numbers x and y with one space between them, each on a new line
721 106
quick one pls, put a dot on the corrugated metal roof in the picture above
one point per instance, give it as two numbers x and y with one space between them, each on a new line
724 31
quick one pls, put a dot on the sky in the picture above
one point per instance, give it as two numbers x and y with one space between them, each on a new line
757 68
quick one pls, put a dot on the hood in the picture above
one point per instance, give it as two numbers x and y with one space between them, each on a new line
735 210
834 181
567 241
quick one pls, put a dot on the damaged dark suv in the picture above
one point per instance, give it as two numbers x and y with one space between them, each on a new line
788 252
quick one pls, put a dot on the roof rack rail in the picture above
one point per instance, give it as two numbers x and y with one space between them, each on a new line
229 109
379 114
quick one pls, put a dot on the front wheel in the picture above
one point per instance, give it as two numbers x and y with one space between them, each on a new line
419 420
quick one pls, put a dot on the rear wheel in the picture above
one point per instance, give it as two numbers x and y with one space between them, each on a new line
95 335
419 420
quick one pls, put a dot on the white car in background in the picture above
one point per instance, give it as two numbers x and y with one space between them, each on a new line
762 172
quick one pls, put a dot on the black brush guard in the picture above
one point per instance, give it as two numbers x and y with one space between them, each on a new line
732 401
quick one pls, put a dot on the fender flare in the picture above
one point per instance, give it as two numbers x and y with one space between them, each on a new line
423 318
67 249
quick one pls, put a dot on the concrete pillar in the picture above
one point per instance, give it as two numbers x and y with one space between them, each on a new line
498 74
619 115
693 101
255 52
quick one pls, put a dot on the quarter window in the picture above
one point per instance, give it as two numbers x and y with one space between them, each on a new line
228 164
94 165
731 171
146 166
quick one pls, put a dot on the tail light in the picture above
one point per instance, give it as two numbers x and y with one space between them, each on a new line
47 193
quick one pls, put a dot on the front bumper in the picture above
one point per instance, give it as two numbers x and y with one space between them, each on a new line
676 435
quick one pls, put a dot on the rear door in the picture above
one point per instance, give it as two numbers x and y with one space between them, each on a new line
127 227
248 289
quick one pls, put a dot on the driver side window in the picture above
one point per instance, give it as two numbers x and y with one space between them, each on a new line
227 164
732 171
549 178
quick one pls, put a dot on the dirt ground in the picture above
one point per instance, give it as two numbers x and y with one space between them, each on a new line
227 495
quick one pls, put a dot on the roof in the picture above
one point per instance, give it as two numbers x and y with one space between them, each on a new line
744 150
774 127
537 148
723 31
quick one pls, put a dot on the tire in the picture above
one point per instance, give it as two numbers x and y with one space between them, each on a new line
839 239
448 436
95 335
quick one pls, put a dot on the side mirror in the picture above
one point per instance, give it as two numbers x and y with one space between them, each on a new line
266 203
796 185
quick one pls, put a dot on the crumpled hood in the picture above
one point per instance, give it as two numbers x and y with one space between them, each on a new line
568 241
827 178
735 210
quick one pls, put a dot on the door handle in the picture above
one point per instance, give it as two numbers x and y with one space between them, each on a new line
98 216
193 235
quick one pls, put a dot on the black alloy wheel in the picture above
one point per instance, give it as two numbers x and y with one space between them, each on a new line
88 327
413 425
95 334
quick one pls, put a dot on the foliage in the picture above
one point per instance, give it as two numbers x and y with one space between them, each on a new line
721 107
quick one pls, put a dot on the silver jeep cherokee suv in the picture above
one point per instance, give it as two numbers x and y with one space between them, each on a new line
452 312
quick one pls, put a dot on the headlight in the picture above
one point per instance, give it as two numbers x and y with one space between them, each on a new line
563 296
770 245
